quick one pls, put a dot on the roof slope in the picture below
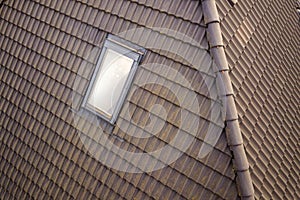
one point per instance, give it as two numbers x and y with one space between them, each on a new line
262 47
44 45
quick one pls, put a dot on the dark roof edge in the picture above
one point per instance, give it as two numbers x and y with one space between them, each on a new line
233 132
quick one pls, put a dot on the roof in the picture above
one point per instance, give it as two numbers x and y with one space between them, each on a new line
261 40
48 47
51 148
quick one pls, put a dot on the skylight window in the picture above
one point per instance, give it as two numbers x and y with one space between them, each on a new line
112 77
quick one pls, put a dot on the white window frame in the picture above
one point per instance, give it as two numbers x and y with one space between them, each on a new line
127 49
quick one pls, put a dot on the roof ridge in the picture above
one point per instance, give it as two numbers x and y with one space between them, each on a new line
233 132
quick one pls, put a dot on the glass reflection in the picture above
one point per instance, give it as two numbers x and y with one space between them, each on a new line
110 81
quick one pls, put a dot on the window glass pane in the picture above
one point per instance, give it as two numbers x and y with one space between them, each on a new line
110 82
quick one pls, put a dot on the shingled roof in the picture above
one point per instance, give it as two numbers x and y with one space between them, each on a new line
261 41
49 51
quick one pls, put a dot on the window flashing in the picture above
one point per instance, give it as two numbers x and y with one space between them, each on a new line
127 44
123 49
